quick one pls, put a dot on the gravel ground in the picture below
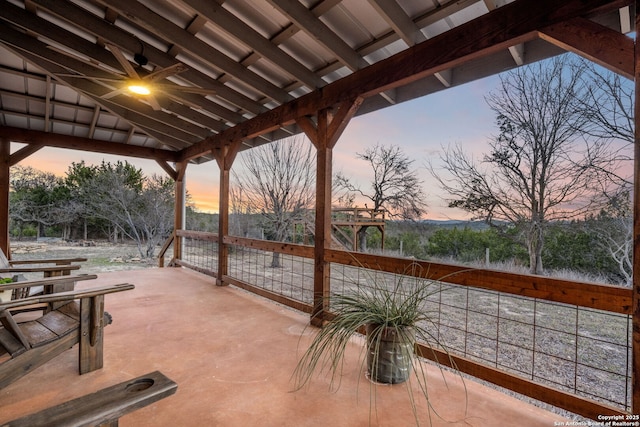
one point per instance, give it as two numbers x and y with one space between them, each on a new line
101 256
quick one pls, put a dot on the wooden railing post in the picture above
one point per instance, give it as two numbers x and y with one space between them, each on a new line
324 135
224 157
179 214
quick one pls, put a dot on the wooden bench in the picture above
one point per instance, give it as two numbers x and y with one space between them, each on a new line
104 407
65 322
48 285
59 267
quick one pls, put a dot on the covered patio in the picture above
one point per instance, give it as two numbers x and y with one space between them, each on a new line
233 75
232 354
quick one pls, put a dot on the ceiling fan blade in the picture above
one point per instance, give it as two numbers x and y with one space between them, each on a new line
126 65
190 89
163 73
153 102
113 93
78 76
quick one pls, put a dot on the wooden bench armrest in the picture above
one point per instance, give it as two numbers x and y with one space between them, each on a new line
64 268
56 261
66 296
106 406
46 282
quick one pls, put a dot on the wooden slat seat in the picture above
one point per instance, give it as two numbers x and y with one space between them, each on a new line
51 326
70 317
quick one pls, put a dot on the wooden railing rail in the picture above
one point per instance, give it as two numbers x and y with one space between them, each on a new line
600 297
165 247
198 235
270 246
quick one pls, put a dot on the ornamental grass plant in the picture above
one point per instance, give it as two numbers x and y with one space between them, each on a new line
394 314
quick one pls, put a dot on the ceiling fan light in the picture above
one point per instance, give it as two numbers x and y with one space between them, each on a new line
139 88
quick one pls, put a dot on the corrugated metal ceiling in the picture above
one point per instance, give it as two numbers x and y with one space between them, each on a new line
60 71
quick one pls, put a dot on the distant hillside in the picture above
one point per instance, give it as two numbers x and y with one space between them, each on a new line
453 223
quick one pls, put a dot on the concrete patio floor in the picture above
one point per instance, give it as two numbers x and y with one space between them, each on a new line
232 355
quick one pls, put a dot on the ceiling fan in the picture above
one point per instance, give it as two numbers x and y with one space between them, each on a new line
145 86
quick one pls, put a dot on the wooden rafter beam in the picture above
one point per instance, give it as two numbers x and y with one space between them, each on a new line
600 44
506 26
228 22
40 139
309 23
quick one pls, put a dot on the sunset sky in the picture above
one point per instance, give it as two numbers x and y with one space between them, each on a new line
421 127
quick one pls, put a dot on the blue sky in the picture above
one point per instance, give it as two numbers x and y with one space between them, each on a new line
421 127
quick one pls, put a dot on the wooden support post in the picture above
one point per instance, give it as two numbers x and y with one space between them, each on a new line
322 269
179 213
635 405
324 136
225 158
5 157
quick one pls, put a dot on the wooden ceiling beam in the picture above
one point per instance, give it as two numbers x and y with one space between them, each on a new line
309 23
409 32
399 21
228 22
40 138
602 45
506 26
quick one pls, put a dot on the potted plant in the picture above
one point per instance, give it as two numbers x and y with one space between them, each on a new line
393 314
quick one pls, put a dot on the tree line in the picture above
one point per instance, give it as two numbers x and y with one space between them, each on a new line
116 201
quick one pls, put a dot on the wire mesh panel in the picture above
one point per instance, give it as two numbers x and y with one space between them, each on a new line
200 253
578 350
279 273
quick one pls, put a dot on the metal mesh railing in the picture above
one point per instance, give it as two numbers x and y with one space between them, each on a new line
279 273
200 253
578 350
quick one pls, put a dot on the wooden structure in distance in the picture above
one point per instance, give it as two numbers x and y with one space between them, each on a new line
346 224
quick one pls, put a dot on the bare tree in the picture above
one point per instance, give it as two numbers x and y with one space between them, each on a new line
611 112
395 187
141 208
276 180
609 104
614 228
540 167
